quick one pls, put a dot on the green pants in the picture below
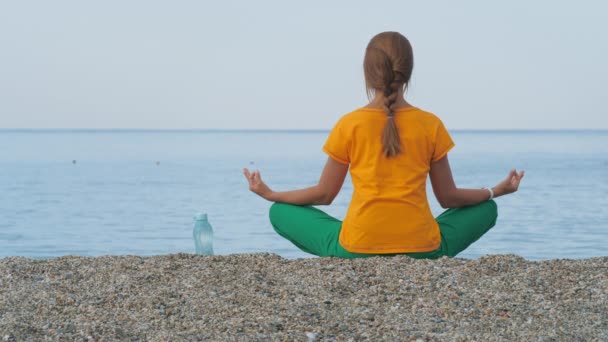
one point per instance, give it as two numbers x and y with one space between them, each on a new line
315 232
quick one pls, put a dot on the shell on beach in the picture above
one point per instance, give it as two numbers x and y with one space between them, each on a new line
266 297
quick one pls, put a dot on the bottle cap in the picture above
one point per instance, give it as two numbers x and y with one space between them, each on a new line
200 217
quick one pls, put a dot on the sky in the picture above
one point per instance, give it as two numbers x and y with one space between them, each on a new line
297 65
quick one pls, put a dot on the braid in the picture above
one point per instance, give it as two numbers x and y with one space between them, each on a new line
388 65
391 141
390 94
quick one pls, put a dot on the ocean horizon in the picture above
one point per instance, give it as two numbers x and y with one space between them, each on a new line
268 130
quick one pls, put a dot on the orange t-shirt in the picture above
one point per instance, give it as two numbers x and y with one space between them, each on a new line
389 211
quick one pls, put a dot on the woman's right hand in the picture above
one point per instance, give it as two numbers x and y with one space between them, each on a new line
256 184
510 184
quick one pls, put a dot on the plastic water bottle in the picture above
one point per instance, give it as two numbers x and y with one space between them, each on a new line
203 235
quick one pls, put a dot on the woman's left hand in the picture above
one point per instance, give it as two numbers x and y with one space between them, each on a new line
256 184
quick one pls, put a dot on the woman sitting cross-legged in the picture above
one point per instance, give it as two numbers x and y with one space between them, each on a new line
391 147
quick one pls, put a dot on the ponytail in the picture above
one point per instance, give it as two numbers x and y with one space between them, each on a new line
388 65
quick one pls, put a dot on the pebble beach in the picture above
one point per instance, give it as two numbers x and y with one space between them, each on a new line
264 297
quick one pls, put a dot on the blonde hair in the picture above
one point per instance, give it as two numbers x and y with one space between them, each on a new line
387 66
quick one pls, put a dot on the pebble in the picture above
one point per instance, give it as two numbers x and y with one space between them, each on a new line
262 297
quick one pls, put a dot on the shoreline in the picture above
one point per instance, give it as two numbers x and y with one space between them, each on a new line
266 297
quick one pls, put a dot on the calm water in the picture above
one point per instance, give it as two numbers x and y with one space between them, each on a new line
116 199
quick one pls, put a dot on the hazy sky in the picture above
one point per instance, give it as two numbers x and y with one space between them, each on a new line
297 64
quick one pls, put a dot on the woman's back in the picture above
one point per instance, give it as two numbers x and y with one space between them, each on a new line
389 211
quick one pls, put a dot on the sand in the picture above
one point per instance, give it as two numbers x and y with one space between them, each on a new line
265 297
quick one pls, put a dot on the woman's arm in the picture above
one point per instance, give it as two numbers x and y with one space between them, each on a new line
324 192
449 196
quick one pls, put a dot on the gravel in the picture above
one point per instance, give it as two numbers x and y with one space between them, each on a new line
265 297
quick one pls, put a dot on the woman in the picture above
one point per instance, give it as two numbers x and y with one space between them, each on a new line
390 147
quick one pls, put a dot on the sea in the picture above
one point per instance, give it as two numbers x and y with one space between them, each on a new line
135 192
